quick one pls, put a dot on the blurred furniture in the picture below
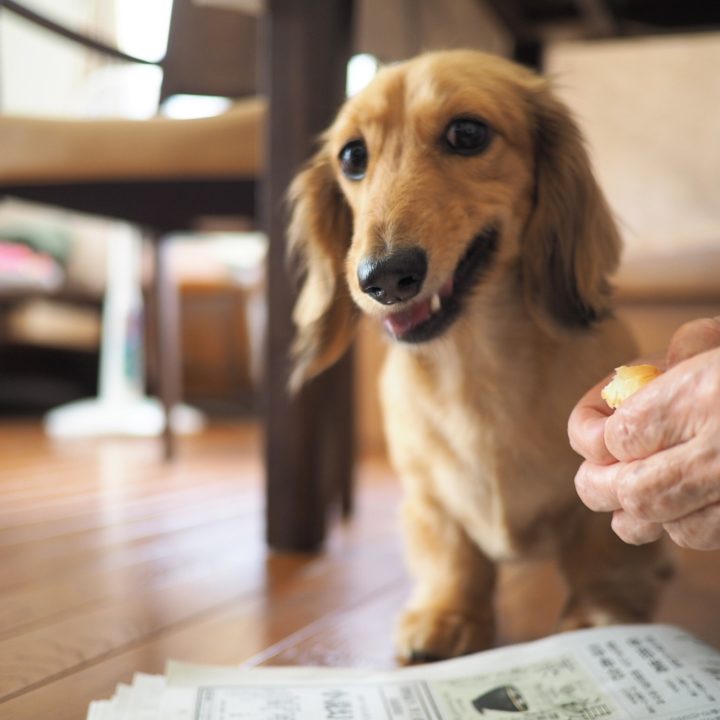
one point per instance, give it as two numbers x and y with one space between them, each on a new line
49 306
162 174
309 438
533 23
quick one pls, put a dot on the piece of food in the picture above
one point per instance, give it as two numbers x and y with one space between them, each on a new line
627 380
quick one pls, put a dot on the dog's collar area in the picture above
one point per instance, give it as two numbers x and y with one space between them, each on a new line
427 319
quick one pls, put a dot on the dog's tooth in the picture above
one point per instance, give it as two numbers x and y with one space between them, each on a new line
435 302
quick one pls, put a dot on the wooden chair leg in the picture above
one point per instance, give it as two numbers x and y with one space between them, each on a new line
167 341
341 434
308 448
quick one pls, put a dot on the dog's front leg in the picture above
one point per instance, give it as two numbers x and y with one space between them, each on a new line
451 609
609 582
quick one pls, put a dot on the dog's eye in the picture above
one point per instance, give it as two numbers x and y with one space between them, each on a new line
354 160
468 136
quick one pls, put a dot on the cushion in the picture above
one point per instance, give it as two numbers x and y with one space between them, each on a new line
43 151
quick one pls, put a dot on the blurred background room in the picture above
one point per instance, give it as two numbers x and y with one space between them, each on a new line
645 101
145 149
58 259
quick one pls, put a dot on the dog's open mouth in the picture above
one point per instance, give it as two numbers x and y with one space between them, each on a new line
426 319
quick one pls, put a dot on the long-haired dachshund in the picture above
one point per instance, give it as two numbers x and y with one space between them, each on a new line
453 200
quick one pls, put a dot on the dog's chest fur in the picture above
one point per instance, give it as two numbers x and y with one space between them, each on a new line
488 430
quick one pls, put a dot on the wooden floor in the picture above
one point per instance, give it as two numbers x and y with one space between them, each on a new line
112 562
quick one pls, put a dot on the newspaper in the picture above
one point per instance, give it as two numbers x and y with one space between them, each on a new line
631 672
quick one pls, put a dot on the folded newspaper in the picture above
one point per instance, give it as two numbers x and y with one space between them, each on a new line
631 672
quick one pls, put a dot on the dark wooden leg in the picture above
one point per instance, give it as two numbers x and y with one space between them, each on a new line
529 53
167 341
308 441
343 416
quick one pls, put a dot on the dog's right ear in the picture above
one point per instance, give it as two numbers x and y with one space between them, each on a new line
571 244
319 239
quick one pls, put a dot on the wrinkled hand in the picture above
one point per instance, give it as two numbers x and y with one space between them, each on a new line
655 462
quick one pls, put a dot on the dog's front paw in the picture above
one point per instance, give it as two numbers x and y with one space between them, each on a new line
426 635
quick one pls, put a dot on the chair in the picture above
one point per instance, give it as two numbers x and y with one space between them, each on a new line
162 174
76 164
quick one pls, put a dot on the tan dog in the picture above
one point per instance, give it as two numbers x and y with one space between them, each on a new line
453 200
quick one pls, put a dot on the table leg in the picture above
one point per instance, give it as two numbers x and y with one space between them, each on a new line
167 341
309 437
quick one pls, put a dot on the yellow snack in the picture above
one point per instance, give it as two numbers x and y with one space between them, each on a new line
628 379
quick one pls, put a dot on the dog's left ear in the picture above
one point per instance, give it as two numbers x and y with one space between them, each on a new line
319 238
571 243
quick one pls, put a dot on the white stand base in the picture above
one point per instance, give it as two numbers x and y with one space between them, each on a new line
141 417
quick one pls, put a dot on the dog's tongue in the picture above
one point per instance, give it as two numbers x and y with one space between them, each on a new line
400 323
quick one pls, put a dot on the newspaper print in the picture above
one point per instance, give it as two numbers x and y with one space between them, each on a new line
622 673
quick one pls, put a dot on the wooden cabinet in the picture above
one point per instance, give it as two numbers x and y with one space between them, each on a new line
219 343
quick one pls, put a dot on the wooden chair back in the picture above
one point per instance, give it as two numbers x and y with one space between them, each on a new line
211 51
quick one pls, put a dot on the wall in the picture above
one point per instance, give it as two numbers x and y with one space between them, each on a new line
41 74
650 110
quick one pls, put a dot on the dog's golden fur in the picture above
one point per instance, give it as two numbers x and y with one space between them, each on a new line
476 419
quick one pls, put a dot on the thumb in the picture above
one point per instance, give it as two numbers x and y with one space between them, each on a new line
693 338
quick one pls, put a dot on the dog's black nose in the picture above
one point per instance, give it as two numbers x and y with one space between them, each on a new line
394 278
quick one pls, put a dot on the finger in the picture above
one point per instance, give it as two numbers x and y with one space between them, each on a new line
634 531
656 417
670 484
595 485
586 426
699 530
693 338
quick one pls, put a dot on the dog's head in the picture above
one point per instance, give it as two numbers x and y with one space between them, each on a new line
448 173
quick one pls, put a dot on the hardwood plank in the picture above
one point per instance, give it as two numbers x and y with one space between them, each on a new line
38 656
137 611
136 563
163 562
303 589
362 636
133 565
53 554
231 638
359 637
134 504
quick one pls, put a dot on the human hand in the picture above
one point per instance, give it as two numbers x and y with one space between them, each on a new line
655 462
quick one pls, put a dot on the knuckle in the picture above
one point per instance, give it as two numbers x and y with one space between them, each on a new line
618 433
628 432
653 492
631 493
